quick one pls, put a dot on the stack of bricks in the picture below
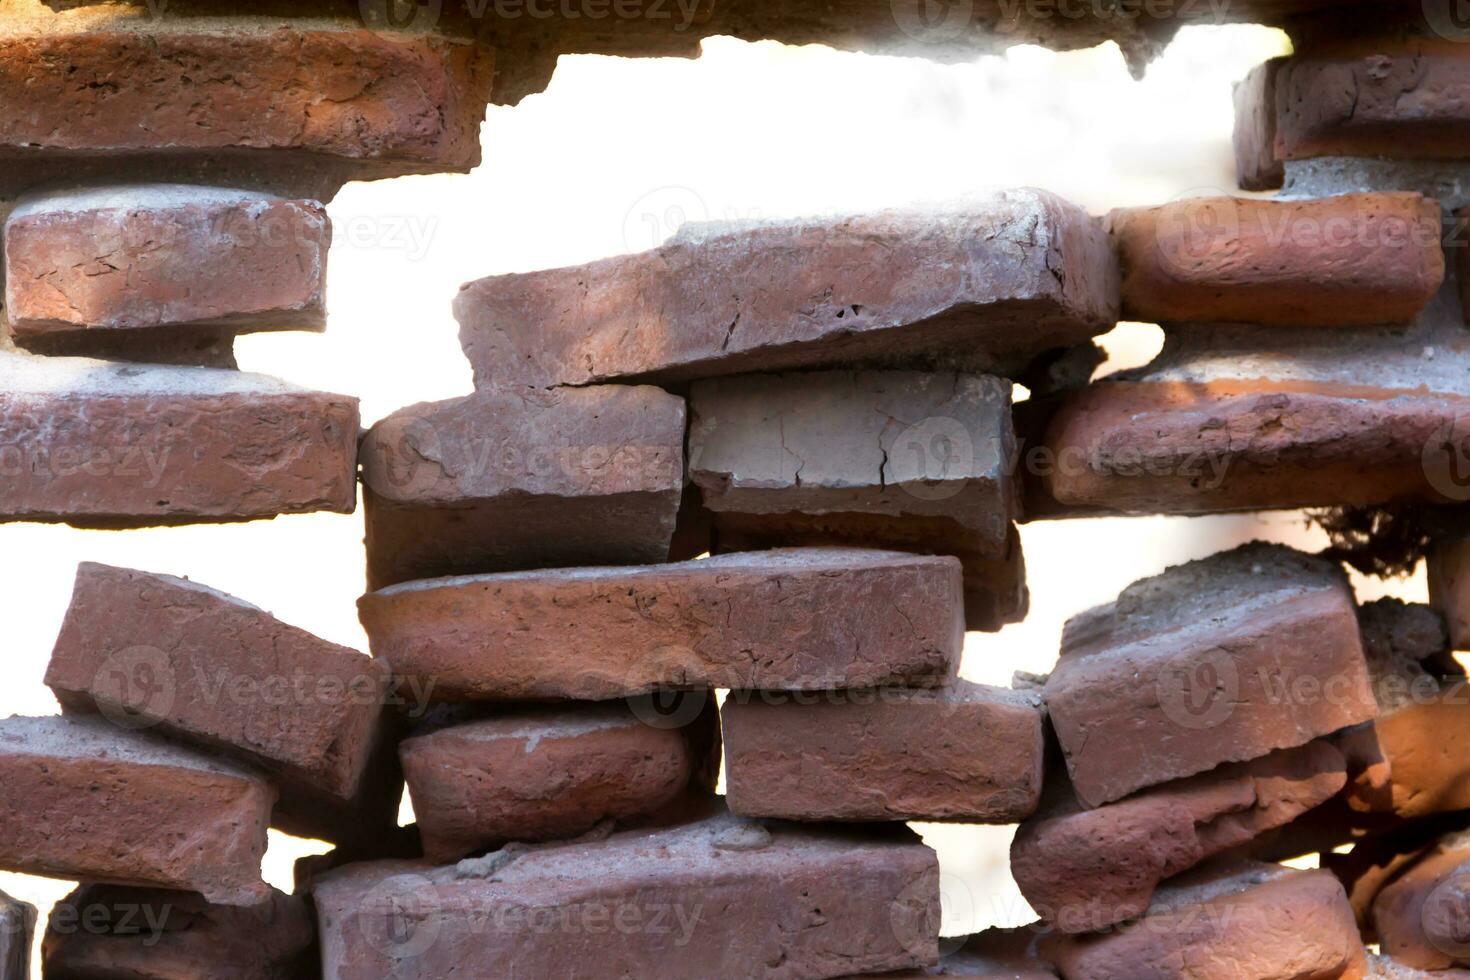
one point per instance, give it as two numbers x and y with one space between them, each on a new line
737 500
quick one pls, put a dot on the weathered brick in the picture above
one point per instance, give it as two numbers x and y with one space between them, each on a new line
544 774
154 650
1249 418
1419 916
1401 98
81 798
504 480
1448 571
102 444
301 109
140 257
1354 259
1224 922
965 752
17 929
102 931
799 619
995 954
987 288
1382 967
1085 870
811 904
1219 660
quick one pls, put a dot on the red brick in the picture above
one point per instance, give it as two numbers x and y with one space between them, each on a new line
966 752
101 444
17 930
1385 968
995 954
211 669
989 288
808 619
85 799
712 899
1419 917
1219 660
102 931
1225 922
303 107
1086 870
141 257
1354 259
1448 571
532 775
1255 130
516 479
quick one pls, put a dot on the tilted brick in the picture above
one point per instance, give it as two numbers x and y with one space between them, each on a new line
82 798
155 934
1354 259
211 669
511 479
965 752
987 288
17 930
1224 922
1085 870
800 619
1448 571
140 257
554 773
811 903
105 444
1219 660
298 109
1419 916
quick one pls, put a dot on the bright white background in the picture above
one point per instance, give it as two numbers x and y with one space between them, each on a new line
609 160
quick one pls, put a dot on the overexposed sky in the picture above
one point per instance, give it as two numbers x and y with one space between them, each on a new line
609 160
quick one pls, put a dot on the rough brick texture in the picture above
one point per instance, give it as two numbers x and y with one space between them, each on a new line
17 930
1449 587
104 931
86 799
1219 660
1419 917
1226 922
211 669
1085 870
1338 261
304 108
811 904
743 621
987 288
965 752
995 954
142 257
531 775
516 479
1382 967
1256 166
97 443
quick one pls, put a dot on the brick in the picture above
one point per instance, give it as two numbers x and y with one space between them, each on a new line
17 928
141 257
1385 968
1085 870
1224 922
300 108
711 899
1219 660
93 443
1419 916
545 774
1354 417
1353 259
520 479
966 752
749 620
155 934
207 668
1400 98
995 954
81 798
1448 572
986 288
184 345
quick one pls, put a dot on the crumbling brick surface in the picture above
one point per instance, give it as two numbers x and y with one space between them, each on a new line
87 799
964 752
17 930
745 621
1419 917
987 288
